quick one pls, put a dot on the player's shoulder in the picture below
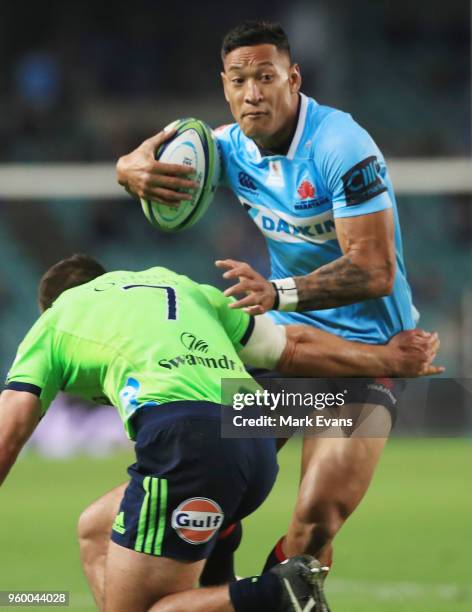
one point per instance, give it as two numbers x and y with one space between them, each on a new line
217 301
47 319
230 138
338 140
42 330
227 132
215 297
332 127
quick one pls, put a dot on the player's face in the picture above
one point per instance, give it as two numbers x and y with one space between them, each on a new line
262 88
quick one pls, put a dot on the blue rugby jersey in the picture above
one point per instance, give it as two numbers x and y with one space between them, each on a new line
333 169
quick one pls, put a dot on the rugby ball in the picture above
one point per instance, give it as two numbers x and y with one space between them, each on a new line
192 145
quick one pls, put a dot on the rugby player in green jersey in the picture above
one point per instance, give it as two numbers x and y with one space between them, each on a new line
156 345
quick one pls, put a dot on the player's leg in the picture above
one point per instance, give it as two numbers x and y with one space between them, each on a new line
332 487
94 536
93 530
188 484
219 567
214 599
136 581
95 526
291 587
139 582
336 473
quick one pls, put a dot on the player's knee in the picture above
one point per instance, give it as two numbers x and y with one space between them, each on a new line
87 532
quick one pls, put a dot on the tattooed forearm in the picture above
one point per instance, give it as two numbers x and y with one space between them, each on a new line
339 283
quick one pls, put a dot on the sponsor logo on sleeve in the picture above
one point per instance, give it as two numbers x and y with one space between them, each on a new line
196 520
129 395
363 182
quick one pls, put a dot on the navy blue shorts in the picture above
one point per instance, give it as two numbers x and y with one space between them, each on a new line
384 392
188 483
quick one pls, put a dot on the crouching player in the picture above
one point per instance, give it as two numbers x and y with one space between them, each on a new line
156 345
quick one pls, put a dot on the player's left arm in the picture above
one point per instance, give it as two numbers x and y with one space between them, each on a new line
20 412
355 174
301 350
366 270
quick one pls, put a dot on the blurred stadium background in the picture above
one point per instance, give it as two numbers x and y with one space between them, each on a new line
82 84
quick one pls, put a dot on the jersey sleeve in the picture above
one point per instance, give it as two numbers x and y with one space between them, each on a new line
223 141
353 168
35 368
237 323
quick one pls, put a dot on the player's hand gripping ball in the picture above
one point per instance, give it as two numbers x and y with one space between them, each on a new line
193 145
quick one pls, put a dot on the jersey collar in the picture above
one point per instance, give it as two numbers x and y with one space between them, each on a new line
300 127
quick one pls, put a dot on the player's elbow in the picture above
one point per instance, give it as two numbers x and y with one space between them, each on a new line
8 454
376 269
383 281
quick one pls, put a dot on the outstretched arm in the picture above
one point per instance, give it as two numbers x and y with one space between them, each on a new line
302 350
20 412
314 352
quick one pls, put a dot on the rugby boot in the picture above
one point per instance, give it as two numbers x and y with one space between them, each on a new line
302 579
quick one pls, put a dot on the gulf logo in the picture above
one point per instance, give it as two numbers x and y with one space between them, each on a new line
197 519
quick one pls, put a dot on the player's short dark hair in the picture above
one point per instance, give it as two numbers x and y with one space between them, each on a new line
252 33
65 274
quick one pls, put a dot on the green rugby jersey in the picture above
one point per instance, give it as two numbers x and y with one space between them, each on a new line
131 339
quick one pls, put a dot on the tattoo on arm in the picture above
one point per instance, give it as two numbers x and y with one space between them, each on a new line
335 284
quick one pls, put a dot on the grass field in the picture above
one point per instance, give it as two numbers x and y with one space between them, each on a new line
407 548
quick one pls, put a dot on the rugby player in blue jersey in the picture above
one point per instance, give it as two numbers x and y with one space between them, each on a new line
317 186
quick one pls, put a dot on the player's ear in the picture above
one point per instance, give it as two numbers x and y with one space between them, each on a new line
224 80
295 78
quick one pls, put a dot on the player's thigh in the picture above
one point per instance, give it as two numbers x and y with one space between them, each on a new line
96 520
339 469
135 581
188 483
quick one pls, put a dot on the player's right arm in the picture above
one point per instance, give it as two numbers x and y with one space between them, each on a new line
145 177
313 352
304 350
20 412
32 383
